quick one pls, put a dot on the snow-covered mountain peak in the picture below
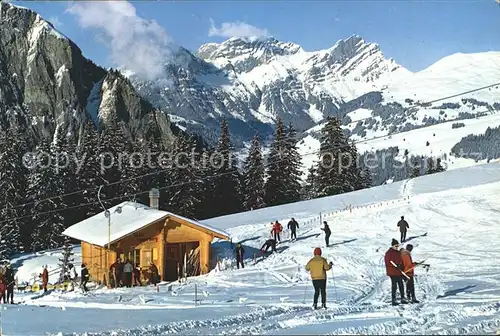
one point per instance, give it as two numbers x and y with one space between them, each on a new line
258 48
30 19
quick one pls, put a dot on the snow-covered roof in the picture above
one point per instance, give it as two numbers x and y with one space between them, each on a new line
132 217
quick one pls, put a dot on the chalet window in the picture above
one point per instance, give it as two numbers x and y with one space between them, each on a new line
146 257
155 253
137 256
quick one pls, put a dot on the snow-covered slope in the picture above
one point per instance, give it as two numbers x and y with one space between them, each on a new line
452 217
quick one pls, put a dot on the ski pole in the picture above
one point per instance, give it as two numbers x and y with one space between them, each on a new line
305 292
334 287
406 275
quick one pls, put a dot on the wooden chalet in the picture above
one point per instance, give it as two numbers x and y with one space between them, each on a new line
178 246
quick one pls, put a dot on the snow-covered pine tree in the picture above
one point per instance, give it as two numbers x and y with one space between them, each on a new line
439 166
292 163
154 170
45 186
66 166
227 193
184 194
13 183
254 176
353 178
430 166
310 187
66 258
207 175
366 178
274 188
115 149
415 167
283 168
333 145
88 174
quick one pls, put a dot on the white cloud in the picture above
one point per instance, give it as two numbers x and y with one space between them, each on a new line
236 29
135 44
55 21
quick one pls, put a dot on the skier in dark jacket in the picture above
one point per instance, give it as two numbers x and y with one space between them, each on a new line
9 282
293 226
85 278
137 275
403 227
394 268
327 233
116 270
240 253
270 243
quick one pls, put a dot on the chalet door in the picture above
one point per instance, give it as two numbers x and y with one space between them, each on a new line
171 262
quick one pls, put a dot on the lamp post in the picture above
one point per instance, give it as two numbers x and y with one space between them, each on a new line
107 214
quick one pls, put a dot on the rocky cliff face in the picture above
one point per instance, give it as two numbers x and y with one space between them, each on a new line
47 84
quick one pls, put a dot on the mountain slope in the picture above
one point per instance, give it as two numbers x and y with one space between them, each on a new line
47 84
252 82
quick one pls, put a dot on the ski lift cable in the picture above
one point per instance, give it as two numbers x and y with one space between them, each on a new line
164 170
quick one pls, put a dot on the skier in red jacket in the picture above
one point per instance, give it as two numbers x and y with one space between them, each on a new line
394 268
277 228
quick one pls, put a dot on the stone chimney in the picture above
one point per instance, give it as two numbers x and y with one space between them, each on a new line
154 198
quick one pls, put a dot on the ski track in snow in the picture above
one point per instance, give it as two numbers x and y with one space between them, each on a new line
459 294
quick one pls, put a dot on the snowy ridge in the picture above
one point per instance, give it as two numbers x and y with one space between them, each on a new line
459 293
451 75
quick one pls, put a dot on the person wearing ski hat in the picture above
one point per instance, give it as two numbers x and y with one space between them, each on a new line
318 266
394 269
85 278
408 267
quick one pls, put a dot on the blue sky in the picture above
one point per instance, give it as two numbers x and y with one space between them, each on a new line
415 34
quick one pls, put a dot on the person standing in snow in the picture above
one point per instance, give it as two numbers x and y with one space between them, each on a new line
408 267
154 274
270 243
318 266
403 227
10 283
277 228
85 278
394 268
3 287
293 226
45 278
240 252
328 233
137 275
116 270
72 275
128 269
